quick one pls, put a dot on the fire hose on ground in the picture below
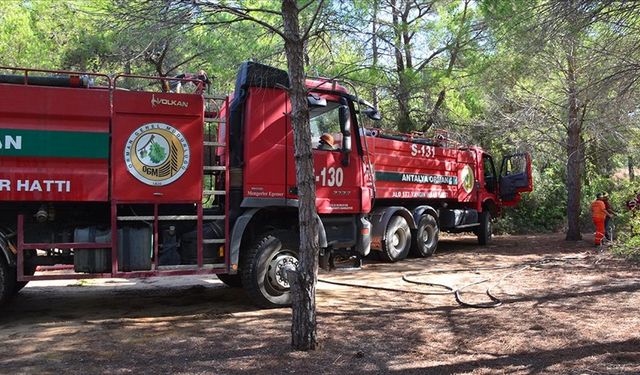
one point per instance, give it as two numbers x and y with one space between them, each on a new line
457 292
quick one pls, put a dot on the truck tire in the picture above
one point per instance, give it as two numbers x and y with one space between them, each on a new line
484 231
7 281
397 241
263 268
426 237
233 281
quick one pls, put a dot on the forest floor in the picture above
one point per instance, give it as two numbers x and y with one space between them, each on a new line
571 311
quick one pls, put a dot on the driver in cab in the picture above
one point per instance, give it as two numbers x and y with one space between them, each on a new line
327 142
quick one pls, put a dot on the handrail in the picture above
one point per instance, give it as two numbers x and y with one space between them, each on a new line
26 77
164 81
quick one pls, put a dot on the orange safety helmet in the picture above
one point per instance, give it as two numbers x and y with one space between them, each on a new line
327 138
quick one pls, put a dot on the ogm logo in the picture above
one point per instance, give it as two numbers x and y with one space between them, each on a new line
157 154
467 178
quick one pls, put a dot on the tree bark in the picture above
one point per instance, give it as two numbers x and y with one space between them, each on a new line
575 150
406 37
452 62
374 50
405 123
303 280
397 36
403 93
632 173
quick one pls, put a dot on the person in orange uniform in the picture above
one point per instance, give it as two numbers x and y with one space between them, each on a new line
607 222
599 214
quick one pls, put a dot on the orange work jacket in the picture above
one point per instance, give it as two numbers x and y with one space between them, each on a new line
598 209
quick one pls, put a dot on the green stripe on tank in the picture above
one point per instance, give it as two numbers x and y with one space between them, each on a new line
59 144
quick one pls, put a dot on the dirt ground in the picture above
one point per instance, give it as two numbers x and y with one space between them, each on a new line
576 312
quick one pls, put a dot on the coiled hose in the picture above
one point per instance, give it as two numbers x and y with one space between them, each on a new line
457 292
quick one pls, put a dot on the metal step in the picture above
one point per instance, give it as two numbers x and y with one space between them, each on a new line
467 226
214 192
214 97
213 144
214 120
214 240
215 168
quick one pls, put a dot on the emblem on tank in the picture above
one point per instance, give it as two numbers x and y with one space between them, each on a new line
467 178
157 154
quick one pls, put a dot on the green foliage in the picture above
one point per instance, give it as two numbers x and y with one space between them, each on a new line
31 35
543 210
627 245
505 91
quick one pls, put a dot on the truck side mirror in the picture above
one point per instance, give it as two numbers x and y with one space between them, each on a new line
372 113
315 100
345 128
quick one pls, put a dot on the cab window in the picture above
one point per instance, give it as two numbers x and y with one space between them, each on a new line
489 173
325 127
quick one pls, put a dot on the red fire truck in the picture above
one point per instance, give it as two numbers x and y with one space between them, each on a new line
113 177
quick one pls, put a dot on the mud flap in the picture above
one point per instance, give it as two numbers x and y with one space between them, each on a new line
363 246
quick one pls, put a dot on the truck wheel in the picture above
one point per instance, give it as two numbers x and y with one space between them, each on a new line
7 281
398 240
426 238
263 269
234 281
484 231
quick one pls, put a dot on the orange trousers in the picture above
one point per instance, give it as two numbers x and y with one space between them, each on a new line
599 223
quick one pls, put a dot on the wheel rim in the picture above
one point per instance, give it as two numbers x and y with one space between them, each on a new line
398 241
276 278
428 236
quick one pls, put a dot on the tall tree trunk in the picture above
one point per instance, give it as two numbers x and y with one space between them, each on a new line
405 123
397 37
632 172
374 50
575 150
406 36
434 112
452 62
403 93
303 280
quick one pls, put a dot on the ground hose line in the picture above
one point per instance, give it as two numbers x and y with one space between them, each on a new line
457 292
495 302
450 290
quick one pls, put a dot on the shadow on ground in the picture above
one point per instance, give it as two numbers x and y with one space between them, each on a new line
578 315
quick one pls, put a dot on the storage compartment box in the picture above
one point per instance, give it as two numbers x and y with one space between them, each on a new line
135 246
92 260
450 218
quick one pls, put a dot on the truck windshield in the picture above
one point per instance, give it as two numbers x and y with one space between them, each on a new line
325 121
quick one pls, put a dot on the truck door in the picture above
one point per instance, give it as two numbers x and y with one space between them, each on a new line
336 170
489 174
515 178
